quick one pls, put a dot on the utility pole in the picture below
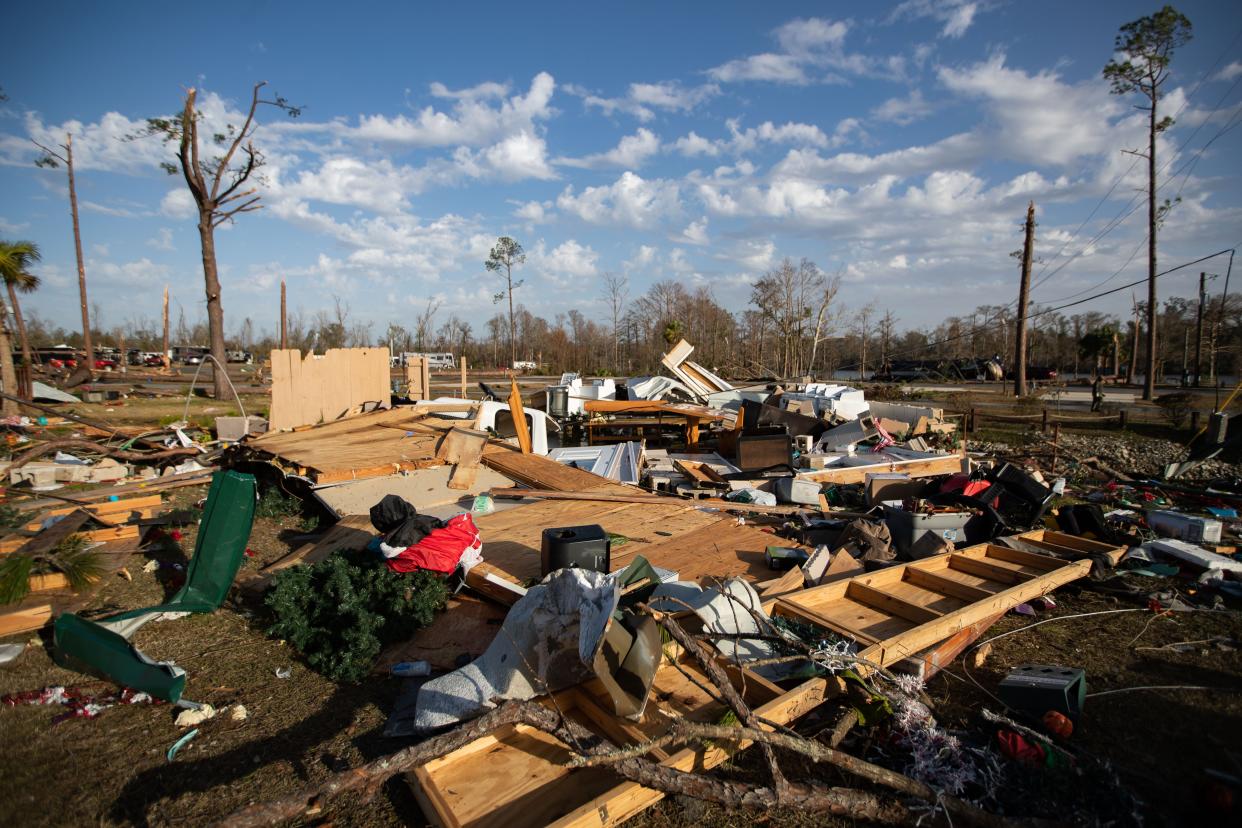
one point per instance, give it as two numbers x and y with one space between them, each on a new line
1019 374
284 330
1185 355
52 158
164 355
1199 327
1134 332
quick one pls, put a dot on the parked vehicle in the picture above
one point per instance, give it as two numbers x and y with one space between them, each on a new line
153 360
105 364
442 361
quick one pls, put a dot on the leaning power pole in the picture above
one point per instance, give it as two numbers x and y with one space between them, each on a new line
1019 349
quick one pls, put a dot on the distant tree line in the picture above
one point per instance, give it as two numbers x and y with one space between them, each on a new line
793 325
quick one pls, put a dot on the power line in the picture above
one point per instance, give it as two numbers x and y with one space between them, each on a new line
1202 79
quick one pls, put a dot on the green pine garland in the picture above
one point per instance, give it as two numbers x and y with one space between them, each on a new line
340 612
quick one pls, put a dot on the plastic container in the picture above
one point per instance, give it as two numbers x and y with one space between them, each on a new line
584 547
908 527
406 669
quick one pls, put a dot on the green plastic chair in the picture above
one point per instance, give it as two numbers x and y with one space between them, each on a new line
102 648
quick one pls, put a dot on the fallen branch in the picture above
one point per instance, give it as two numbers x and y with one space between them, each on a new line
87 445
370 777
728 692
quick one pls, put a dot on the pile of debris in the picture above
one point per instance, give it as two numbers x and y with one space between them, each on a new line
618 620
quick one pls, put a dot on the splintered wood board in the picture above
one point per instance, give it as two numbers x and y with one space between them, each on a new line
539 472
516 776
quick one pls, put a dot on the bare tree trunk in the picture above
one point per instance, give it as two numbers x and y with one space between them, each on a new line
284 319
8 373
21 325
77 246
512 325
215 310
1149 382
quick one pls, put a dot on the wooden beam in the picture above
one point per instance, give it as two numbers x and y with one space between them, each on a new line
1017 556
891 604
25 620
519 417
990 571
703 502
930 467
946 586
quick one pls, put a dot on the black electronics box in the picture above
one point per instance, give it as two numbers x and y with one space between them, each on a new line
758 451
1035 689
582 547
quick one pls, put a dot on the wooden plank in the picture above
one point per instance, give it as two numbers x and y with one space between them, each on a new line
948 586
990 571
700 474
1063 540
539 472
133 504
519 417
931 661
1030 559
24 620
49 538
463 447
887 602
609 497
48 582
932 467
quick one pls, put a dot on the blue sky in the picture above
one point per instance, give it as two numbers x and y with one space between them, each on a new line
895 145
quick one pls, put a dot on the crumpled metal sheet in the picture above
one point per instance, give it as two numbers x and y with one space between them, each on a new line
724 612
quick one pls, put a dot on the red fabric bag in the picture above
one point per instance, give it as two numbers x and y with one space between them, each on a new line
441 550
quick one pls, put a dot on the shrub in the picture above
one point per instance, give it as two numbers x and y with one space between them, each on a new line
339 613
275 505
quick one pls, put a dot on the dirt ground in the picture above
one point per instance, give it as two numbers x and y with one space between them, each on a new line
112 770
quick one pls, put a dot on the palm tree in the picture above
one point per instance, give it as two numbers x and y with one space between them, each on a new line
15 261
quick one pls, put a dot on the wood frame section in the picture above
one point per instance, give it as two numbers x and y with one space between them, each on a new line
902 610
516 776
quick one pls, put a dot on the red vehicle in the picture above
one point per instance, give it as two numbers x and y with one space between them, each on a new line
105 364
154 361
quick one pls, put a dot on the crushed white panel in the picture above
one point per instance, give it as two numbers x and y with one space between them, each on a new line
620 461
1192 554
840 400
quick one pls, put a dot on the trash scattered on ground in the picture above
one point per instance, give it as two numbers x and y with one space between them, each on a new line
195 715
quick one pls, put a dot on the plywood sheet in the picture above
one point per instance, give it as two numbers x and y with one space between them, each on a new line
312 388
